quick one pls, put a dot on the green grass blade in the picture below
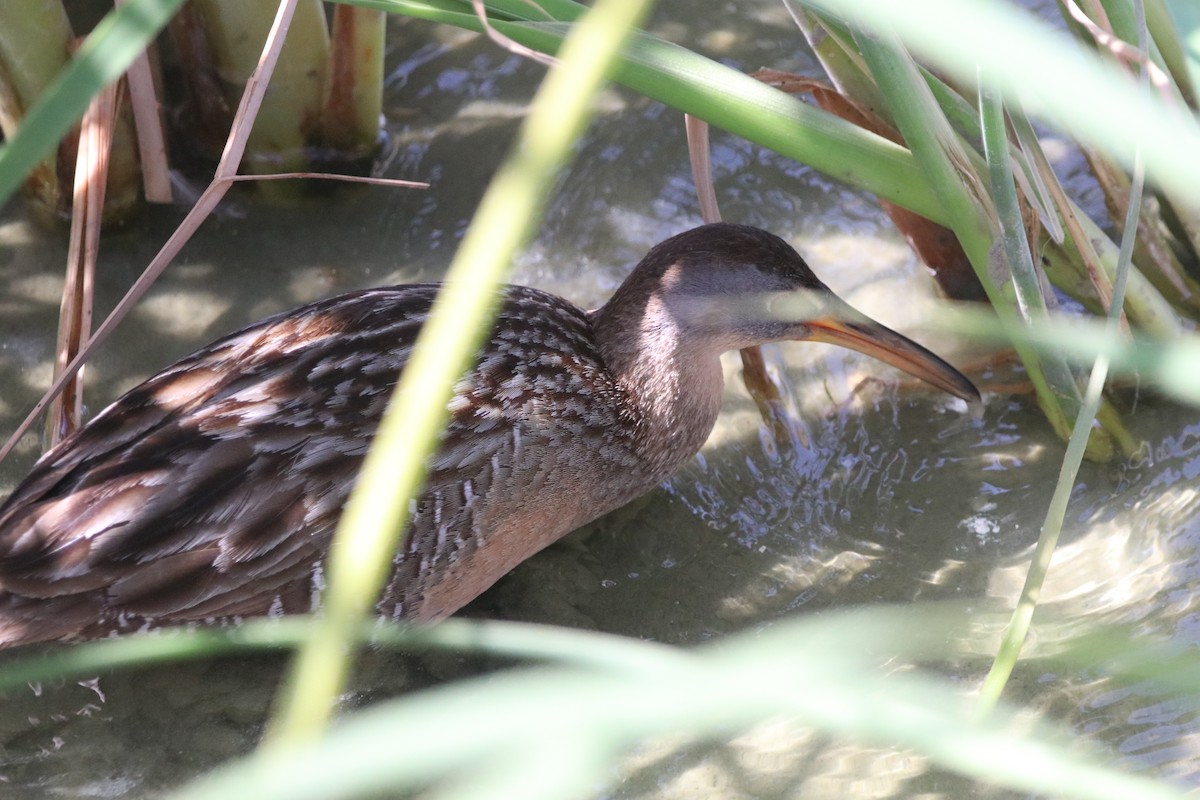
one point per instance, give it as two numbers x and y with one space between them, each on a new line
515 640
1126 654
1123 18
821 671
1026 283
1166 35
1038 173
372 525
951 169
1186 17
1018 630
103 57
730 100
741 105
1171 366
1055 78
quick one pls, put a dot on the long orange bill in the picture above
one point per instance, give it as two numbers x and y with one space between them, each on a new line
858 332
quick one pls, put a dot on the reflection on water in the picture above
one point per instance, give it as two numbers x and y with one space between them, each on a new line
884 509
891 496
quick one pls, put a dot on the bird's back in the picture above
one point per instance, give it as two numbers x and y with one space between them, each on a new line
211 490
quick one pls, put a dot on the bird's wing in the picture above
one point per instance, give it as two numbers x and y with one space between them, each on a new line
214 486
212 489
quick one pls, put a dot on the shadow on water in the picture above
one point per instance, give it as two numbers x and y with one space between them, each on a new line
896 496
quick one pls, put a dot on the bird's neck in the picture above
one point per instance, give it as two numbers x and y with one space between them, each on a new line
674 382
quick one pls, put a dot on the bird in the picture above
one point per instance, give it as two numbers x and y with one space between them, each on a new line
210 492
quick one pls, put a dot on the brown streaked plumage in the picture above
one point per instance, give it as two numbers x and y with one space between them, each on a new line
211 490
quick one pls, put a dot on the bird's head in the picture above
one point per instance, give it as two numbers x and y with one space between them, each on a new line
724 287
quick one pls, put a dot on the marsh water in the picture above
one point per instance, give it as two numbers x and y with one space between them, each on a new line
896 495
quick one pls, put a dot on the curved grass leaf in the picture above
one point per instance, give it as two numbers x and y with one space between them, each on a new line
728 99
1055 79
373 523
820 671
615 654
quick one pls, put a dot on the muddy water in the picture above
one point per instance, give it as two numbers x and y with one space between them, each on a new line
896 495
